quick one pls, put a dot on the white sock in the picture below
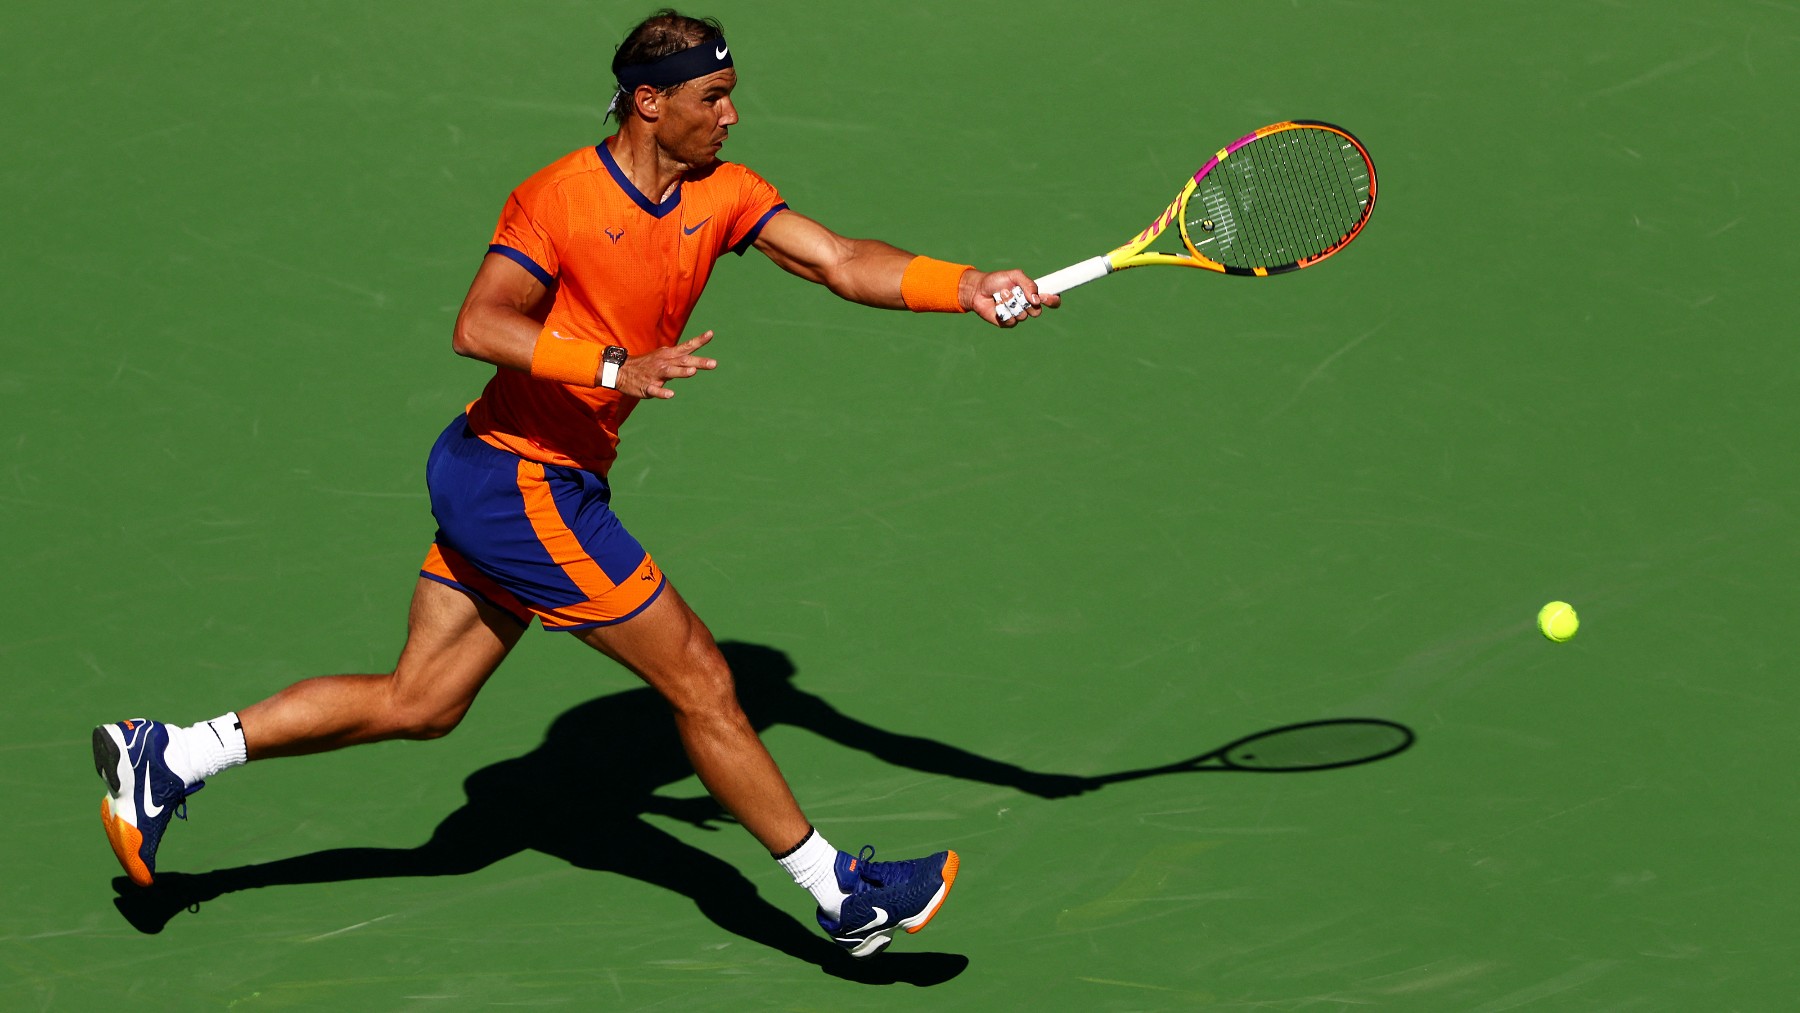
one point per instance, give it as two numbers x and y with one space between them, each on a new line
197 752
814 866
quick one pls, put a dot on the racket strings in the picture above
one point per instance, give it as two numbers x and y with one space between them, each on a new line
1324 219
1288 219
1335 163
1286 197
1323 182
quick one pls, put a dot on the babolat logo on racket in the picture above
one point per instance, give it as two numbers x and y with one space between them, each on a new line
1219 225
1280 199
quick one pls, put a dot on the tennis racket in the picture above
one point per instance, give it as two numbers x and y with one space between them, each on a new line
1280 199
1311 745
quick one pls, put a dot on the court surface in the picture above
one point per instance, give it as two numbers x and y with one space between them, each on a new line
952 563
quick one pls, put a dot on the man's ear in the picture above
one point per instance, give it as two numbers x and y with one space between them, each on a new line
648 102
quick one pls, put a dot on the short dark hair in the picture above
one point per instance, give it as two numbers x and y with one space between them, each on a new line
665 32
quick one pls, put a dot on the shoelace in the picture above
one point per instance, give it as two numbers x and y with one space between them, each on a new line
871 871
181 806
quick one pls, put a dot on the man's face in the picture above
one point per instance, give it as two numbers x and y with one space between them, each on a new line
696 118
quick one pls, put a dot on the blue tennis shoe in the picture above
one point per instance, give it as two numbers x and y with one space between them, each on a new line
142 792
885 896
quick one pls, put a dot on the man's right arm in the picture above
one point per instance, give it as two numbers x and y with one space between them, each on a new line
495 323
499 324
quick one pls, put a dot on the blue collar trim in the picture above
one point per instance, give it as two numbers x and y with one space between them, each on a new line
652 208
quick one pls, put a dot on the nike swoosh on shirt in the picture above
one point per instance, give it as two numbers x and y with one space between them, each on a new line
559 334
687 231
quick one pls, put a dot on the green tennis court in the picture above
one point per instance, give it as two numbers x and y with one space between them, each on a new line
953 564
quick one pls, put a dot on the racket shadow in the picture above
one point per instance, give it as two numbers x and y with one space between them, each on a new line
523 804
1306 747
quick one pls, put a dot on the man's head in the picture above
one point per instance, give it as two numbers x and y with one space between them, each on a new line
675 78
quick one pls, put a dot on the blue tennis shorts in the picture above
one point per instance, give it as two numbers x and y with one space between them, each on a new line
532 539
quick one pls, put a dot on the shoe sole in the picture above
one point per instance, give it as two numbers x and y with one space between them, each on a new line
871 946
920 920
126 840
106 759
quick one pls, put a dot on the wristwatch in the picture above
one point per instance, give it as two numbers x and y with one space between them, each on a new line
610 362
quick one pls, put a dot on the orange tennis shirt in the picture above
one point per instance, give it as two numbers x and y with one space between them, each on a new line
623 270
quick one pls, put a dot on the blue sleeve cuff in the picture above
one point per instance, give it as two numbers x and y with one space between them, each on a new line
527 263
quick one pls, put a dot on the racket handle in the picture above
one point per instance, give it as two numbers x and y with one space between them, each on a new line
1075 274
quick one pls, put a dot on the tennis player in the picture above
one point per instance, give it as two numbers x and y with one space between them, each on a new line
581 303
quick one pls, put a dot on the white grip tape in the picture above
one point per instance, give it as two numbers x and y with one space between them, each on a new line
1016 305
1073 275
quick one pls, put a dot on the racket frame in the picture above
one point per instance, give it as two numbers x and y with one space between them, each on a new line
1133 254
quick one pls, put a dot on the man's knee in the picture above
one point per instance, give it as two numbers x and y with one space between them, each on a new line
427 725
422 719
703 686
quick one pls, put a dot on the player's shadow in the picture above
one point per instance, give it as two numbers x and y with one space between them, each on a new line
582 797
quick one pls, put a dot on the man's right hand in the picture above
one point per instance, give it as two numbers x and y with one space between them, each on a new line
647 375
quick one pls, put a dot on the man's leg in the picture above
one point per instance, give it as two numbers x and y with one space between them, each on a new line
668 647
861 902
453 643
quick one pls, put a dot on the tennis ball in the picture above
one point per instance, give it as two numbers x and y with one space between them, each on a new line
1557 621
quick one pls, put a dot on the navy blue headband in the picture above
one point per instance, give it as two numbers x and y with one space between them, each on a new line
708 57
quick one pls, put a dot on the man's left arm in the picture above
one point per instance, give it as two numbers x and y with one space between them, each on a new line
874 273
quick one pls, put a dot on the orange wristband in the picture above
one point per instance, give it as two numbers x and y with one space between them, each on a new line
565 360
929 286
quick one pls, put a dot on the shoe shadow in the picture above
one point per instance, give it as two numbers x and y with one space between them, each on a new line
548 801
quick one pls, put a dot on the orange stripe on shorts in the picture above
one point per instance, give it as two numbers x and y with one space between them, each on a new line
448 566
564 547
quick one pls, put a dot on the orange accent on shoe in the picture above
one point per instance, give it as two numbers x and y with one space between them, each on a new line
130 724
950 867
125 840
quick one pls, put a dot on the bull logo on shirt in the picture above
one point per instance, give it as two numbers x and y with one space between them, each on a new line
614 234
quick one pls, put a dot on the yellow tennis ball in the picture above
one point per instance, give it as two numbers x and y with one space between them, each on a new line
1557 621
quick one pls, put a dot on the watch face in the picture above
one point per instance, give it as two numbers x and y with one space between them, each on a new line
614 354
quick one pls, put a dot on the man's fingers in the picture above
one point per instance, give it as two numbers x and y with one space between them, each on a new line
1011 304
674 363
1016 296
686 366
